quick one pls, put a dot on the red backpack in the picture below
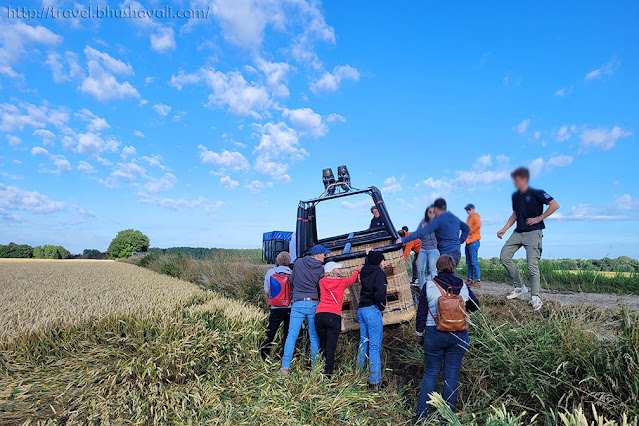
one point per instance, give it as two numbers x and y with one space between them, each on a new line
279 290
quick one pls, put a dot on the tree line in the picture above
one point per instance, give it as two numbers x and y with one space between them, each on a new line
47 251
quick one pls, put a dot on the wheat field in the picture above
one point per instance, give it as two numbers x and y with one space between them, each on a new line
40 295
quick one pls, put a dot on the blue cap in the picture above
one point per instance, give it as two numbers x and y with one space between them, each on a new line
469 206
319 249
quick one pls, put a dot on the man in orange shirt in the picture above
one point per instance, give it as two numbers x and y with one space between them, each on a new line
472 247
415 246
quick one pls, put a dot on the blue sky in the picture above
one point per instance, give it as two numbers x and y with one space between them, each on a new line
208 131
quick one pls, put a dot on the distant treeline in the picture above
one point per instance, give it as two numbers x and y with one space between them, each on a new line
208 253
47 251
619 264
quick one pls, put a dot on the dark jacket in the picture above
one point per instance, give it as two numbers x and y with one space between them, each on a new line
377 222
307 272
445 280
373 290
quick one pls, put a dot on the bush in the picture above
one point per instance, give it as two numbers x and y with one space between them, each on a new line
16 251
126 243
48 251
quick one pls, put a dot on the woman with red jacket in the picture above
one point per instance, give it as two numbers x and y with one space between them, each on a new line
328 318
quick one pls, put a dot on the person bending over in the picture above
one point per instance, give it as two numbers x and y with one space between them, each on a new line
328 318
441 347
372 302
528 213
307 272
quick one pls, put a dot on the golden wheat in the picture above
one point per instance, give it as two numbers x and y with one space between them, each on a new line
37 296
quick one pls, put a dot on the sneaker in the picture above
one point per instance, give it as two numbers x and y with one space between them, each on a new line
469 283
477 284
536 303
378 386
517 292
283 372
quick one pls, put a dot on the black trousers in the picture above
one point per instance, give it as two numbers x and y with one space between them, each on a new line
275 318
328 327
414 266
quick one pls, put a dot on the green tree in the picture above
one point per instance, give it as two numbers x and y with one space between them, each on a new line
126 243
14 250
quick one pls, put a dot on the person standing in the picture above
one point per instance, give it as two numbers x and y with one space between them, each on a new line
472 247
372 302
328 318
278 314
446 227
307 272
376 221
428 253
528 212
447 347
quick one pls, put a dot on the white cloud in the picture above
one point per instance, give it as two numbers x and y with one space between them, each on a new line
278 145
275 73
258 186
138 133
64 68
560 161
13 140
162 109
522 127
94 123
535 166
563 91
565 132
362 205
335 118
47 136
61 163
128 151
391 186
624 208
16 38
330 82
229 183
601 138
162 37
101 83
154 160
164 183
605 69
306 121
229 90
14 198
172 203
228 159
92 144
86 168
17 116
483 162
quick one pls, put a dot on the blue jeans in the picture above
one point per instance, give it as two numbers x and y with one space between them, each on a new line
299 312
472 260
426 265
450 348
370 341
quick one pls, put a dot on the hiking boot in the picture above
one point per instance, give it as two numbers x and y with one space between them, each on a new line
536 303
517 292
475 284
469 283
378 386
283 372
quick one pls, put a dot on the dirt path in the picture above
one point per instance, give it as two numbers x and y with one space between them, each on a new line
602 300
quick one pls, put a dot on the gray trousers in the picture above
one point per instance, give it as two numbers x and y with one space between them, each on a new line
531 242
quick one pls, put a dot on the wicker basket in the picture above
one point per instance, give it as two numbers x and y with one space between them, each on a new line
400 306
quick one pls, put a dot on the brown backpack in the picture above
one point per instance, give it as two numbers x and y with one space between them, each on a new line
451 311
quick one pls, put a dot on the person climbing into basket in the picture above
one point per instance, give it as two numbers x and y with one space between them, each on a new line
328 318
307 272
377 221
372 302
442 331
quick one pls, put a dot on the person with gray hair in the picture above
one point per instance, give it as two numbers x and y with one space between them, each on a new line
278 314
